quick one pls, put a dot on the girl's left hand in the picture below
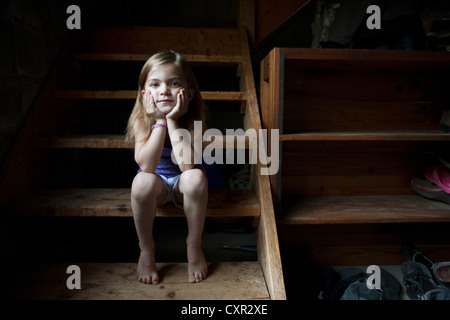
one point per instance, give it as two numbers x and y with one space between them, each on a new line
181 107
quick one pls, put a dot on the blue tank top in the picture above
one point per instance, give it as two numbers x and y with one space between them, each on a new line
166 167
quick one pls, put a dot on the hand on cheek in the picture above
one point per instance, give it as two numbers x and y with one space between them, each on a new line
181 107
150 106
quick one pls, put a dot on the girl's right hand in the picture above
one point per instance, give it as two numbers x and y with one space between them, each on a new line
150 106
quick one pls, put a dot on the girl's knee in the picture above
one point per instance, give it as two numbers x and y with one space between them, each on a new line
193 181
144 186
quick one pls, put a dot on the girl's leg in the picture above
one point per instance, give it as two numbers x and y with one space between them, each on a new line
146 192
192 190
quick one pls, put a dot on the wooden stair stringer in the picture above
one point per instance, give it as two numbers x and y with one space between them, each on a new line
267 237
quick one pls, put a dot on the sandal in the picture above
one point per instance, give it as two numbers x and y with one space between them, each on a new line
414 254
417 279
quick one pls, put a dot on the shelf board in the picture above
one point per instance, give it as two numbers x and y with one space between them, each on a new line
364 59
366 209
417 135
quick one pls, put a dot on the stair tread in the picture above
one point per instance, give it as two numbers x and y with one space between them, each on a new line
192 58
111 141
116 203
131 94
143 39
117 281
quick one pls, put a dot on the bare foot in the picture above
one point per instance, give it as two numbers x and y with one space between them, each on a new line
197 267
146 270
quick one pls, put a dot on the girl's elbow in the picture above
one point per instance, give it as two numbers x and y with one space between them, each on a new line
147 169
145 166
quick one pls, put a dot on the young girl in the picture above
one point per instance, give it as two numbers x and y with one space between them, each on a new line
168 99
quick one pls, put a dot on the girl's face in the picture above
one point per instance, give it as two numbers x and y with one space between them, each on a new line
164 83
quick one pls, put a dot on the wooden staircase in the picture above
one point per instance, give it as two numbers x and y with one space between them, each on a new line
74 135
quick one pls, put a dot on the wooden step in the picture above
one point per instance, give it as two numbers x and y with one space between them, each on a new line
131 94
116 203
118 142
148 40
117 281
366 209
140 57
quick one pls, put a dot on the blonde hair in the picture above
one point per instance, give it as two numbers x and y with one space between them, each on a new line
197 109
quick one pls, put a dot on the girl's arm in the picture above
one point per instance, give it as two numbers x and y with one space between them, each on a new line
172 125
179 143
147 153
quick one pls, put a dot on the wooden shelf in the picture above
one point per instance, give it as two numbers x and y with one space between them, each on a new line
118 281
356 126
431 135
363 59
366 209
131 95
116 203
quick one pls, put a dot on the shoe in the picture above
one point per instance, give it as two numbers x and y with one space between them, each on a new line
440 176
427 189
441 272
417 279
440 293
414 254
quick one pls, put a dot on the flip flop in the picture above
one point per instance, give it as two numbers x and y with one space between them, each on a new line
428 190
441 272
440 176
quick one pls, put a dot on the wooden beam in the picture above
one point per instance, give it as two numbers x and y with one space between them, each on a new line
246 18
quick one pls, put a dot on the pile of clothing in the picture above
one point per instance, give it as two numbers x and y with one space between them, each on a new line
422 280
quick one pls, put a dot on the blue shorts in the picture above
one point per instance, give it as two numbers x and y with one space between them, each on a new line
171 183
